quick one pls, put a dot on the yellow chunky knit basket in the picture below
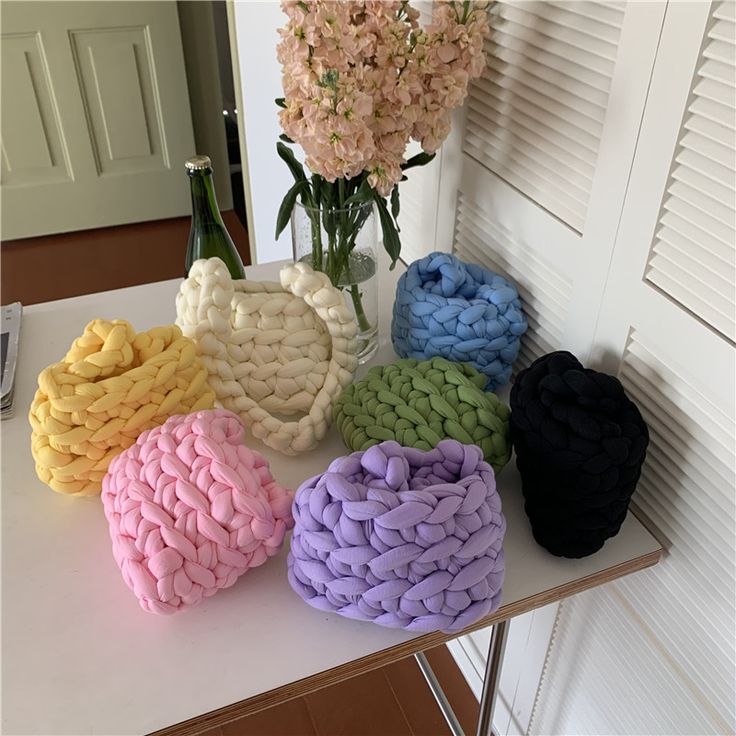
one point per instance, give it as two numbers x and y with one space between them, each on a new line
112 385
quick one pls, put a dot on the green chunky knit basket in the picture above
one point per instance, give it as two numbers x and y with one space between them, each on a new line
420 403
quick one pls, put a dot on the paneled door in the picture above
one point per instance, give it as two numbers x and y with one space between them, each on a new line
96 122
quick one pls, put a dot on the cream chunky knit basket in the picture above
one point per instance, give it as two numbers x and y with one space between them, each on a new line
278 355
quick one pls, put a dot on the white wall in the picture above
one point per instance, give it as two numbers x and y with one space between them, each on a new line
266 177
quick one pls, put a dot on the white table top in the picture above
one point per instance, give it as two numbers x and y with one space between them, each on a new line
80 657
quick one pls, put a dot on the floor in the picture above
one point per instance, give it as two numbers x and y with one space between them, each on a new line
392 701
50 267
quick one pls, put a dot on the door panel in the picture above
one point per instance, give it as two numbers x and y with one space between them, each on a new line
550 137
32 143
546 156
666 329
113 93
96 122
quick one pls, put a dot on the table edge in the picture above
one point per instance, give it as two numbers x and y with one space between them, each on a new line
360 666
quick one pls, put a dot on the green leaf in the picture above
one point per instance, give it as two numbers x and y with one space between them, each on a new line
297 170
363 194
317 182
280 101
391 240
285 138
327 193
421 159
395 204
282 220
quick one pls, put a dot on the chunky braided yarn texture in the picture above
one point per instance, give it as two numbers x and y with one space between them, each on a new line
461 312
191 509
272 351
580 443
403 538
112 385
420 403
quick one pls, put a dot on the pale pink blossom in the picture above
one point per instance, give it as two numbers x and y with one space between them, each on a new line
361 78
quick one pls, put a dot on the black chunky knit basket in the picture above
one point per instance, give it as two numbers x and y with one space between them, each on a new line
580 443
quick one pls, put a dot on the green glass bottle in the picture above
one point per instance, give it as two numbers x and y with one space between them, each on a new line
208 236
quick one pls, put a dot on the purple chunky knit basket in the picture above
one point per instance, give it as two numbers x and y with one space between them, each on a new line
403 538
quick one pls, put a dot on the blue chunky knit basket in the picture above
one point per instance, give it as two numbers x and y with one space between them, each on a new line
461 312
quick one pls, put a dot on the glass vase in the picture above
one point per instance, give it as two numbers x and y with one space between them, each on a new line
343 243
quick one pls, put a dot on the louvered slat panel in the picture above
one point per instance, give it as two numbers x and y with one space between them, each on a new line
547 119
718 70
528 23
725 11
719 173
548 279
536 160
687 490
550 95
671 238
718 191
678 223
582 30
551 70
608 652
525 131
605 13
536 116
699 216
675 275
526 180
703 270
545 292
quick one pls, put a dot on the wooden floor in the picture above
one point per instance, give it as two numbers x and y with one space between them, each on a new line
57 266
392 701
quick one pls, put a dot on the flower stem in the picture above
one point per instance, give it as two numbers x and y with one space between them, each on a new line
360 315
342 228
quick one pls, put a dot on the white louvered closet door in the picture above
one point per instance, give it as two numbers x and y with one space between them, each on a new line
547 149
546 152
661 658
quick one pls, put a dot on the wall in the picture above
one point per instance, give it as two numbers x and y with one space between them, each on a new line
196 21
267 179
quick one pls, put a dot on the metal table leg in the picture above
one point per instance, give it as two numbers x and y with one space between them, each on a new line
492 678
439 695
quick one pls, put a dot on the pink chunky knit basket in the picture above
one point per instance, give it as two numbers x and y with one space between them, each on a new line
190 509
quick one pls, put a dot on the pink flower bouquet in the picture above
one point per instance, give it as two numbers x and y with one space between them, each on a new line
361 78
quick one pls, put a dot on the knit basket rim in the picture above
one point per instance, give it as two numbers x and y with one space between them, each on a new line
132 371
93 404
169 334
464 271
464 312
425 559
416 459
211 292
